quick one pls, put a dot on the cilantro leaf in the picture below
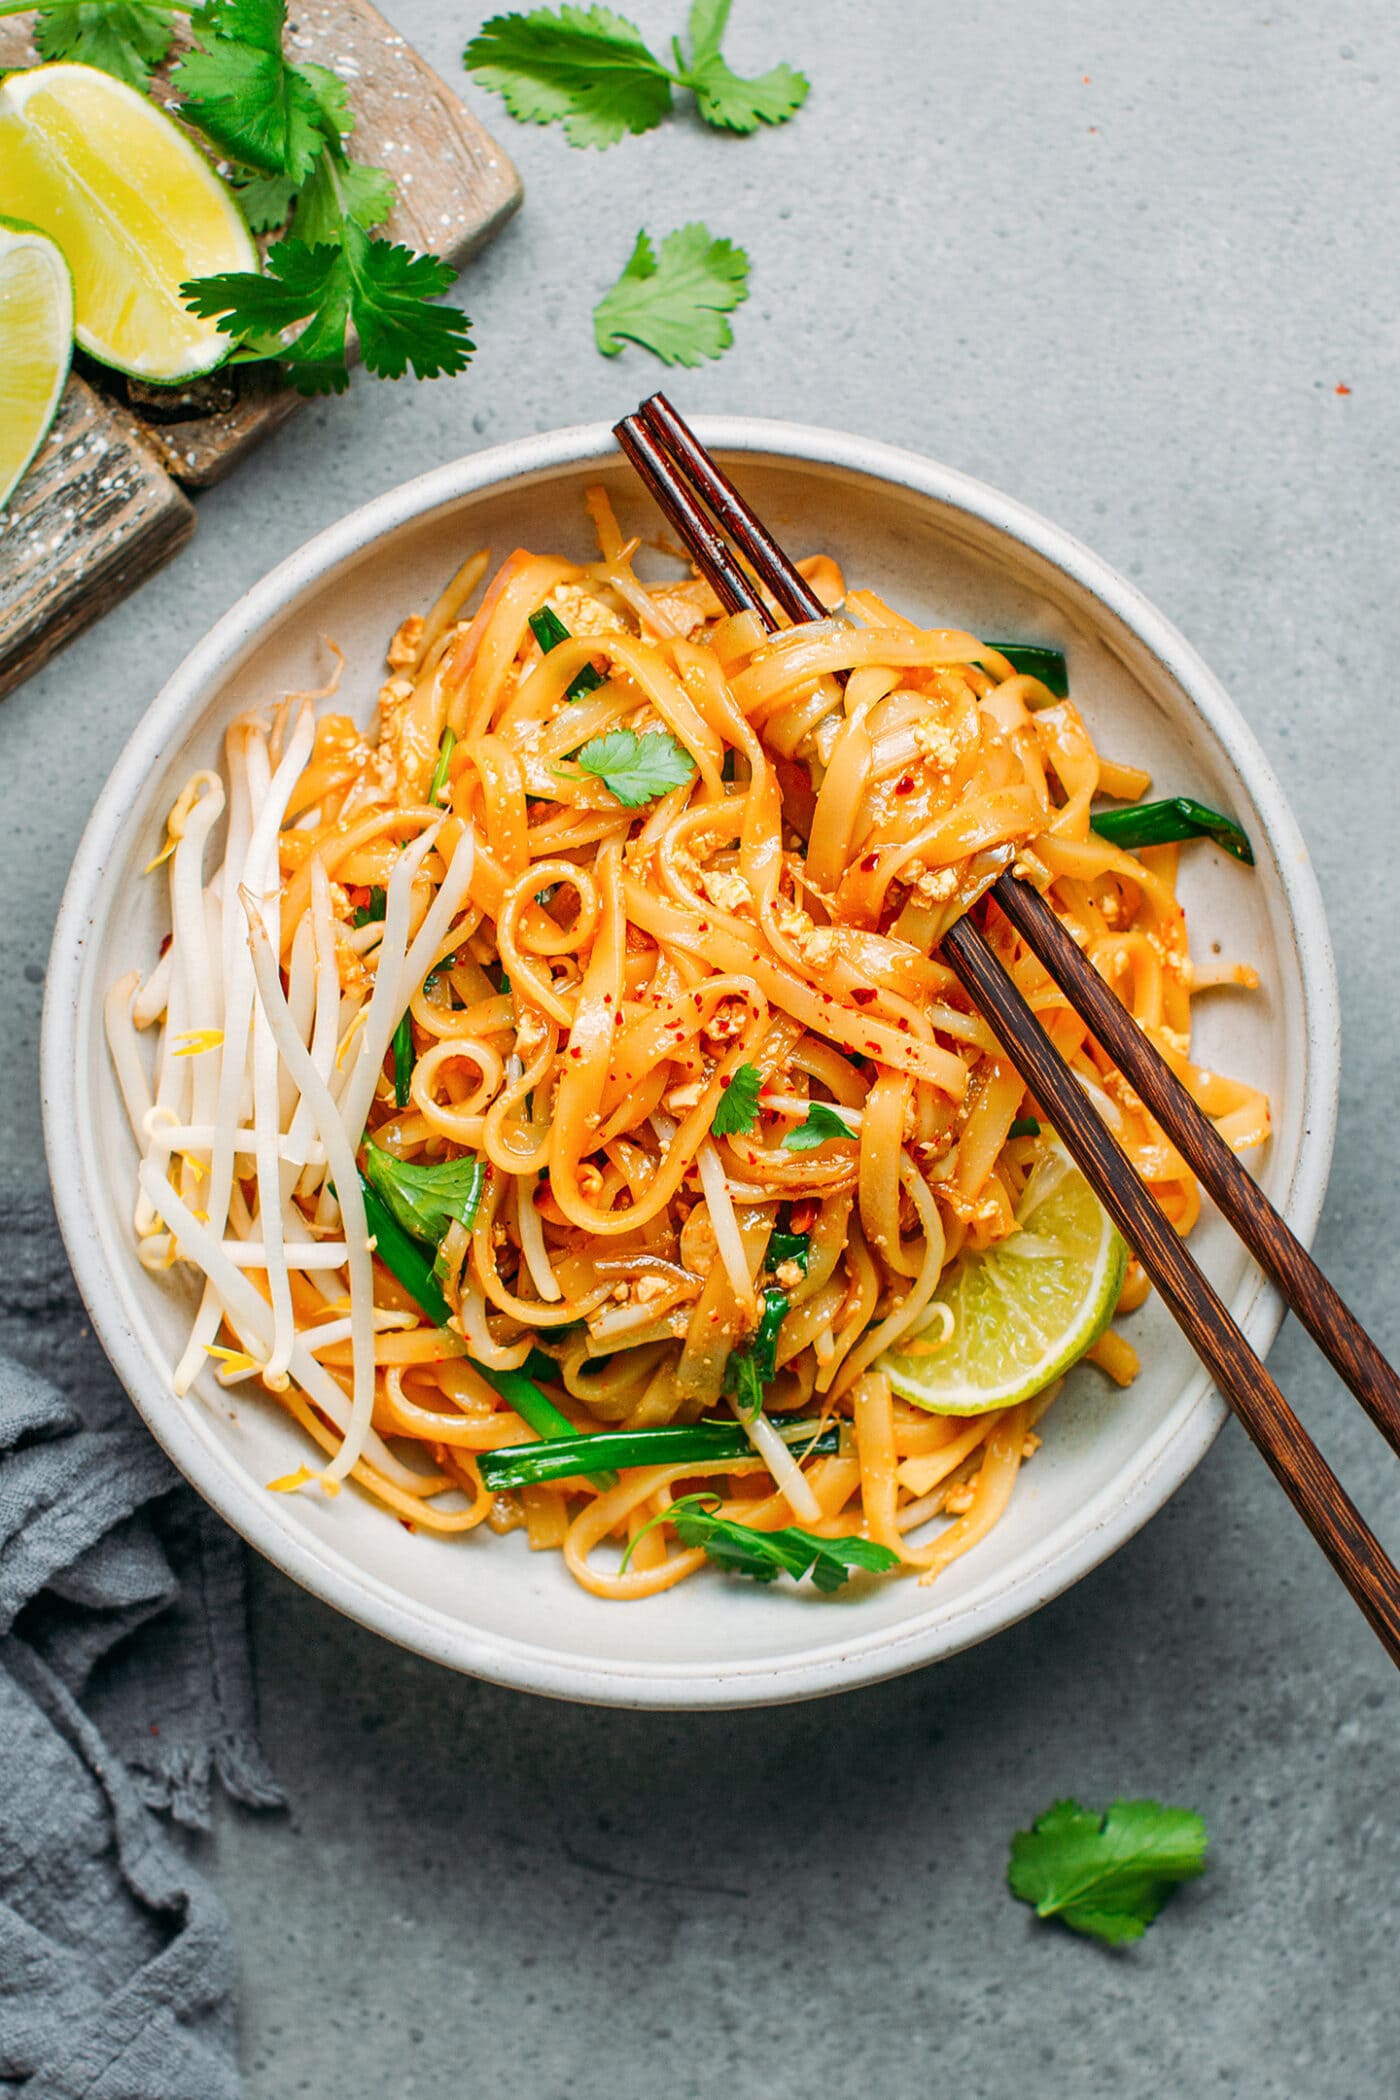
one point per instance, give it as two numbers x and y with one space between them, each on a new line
125 38
737 1108
337 190
265 200
674 304
636 769
585 68
823 1122
380 288
425 1199
764 1555
245 95
754 1364
724 99
1106 1876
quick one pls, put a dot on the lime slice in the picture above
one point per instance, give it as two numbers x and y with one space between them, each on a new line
135 209
1024 1309
36 344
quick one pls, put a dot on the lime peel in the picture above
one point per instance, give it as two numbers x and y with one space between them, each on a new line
135 208
36 344
1024 1309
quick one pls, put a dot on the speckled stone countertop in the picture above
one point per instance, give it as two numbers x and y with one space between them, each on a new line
1136 267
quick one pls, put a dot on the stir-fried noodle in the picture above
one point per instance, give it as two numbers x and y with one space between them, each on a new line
483 934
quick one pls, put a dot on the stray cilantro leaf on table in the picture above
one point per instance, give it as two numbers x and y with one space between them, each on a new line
636 769
591 71
377 287
822 1122
585 68
674 304
125 38
1106 1876
737 1108
724 98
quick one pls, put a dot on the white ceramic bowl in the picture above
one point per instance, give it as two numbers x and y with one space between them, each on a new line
939 546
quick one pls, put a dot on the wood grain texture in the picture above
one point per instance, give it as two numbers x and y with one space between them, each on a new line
95 514
455 189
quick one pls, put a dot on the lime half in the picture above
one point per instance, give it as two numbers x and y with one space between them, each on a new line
1024 1309
36 344
135 208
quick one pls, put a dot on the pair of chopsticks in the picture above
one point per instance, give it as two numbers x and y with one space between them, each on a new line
704 506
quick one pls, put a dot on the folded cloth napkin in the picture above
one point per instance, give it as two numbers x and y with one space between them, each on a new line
124 1685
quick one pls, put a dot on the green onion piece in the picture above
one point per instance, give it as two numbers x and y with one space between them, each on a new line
403 1060
787 1246
1035 661
445 751
550 1424
549 631
413 1267
523 1465
754 1364
538 1365
1161 823
1024 1126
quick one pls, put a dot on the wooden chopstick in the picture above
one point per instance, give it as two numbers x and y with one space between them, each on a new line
667 455
1317 1303
1331 1323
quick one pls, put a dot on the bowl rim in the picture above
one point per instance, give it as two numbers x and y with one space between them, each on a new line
1166 1460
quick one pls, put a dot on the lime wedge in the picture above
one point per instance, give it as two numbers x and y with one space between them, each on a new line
36 344
135 209
1024 1309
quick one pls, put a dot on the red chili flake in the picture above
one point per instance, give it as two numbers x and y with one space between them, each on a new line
903 1025
905 784
724 1081
574 1052
1343 389
871 1046
703 924
619 1020
607 998
863 994
871 863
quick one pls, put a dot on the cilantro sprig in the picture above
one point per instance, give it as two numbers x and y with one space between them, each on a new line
591 71
1106 1876
822 1123
765 1555
736 1110
674 303
636 769
285 125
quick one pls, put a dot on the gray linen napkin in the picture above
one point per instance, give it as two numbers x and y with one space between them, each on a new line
124 1685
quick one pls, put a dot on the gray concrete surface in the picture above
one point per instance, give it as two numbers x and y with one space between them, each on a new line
1122 263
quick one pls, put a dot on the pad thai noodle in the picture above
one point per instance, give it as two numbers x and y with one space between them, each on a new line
557 1099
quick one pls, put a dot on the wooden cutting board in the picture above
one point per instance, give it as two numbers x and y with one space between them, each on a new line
103 504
